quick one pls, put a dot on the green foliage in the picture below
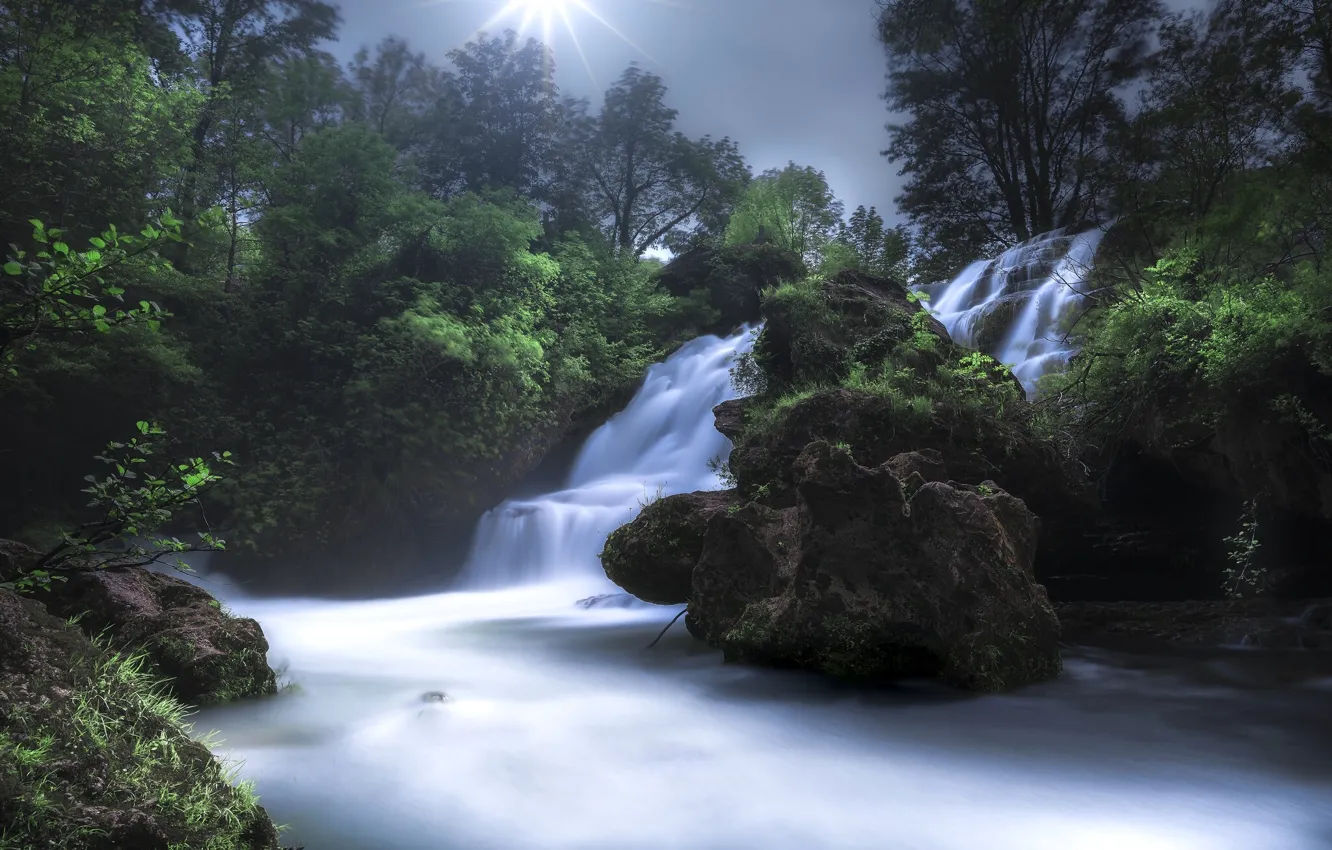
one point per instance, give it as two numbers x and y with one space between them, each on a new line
389 286
1245 576
865 244
1202 340
134 503
116 740
792 208
57 291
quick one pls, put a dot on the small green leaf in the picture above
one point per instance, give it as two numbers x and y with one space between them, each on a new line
60 248
97 242
13 268
98 310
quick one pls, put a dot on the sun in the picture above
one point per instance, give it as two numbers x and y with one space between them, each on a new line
546 14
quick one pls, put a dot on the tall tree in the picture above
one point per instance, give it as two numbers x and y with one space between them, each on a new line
90 122
1008 104
396 88
232 43
647 183
792 207
877 249
495 121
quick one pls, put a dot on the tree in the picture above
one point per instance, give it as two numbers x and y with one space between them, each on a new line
396 89
60 292
1008 106
874 248
494 122
793 207
232 43
647 183
92 128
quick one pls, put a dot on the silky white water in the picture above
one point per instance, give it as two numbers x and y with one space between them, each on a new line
561 731
661 444
1030 294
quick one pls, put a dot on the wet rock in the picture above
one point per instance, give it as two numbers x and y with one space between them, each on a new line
208 655
653 557
1317 617
859 579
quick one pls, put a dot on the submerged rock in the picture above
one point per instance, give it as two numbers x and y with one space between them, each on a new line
208 655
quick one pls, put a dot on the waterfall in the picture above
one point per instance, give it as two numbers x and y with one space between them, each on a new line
1019 306
659 445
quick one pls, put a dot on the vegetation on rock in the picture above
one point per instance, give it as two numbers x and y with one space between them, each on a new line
94 756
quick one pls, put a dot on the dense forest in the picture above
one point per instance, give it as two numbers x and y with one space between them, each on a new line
381 293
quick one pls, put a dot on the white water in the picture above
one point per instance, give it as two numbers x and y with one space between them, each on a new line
562 732
1042 280
659 445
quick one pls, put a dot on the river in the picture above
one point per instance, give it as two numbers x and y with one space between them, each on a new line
561 730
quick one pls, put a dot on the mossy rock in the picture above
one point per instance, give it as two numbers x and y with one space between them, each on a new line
94 757
731 279
207 655
873 577
653 557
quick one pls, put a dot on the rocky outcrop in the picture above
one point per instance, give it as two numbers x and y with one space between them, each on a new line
876 429
91 757
874 573
653 558
1263 622
206 655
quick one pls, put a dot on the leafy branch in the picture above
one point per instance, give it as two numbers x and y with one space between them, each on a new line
59 290
135 504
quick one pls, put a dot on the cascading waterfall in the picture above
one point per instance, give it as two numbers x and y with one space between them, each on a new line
1019 306
659 445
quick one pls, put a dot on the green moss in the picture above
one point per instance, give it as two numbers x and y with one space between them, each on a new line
117 742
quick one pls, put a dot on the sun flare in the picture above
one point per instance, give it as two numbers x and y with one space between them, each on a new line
544 16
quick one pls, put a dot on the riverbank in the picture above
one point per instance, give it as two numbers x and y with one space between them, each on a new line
96 749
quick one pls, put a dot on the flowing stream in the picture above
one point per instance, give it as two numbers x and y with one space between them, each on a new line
561 730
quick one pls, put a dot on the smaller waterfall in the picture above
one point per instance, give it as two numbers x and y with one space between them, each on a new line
659 445
1019 306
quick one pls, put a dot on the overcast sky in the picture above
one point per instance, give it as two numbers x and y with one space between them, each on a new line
787 79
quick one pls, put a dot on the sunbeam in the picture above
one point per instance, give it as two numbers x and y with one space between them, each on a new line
530 16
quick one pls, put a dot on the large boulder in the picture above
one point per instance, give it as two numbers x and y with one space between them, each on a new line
208 655
92 757
653 557
876 428
876 573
